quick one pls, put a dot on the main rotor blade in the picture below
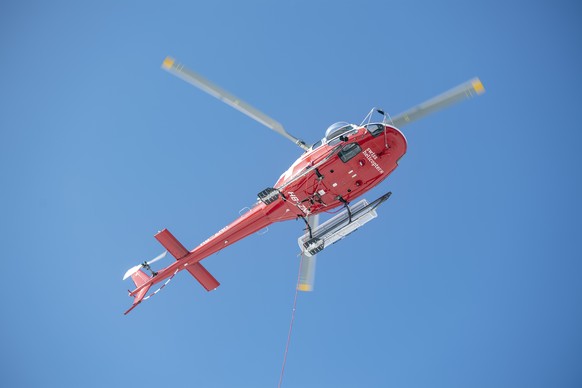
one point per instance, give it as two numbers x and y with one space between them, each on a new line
202 83
464 91
307 271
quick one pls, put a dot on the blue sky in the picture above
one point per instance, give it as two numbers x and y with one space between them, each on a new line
470 276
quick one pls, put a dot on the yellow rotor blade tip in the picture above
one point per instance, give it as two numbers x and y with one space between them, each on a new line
478 86
304 287
168 62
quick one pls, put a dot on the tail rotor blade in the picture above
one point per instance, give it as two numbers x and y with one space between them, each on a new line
464 91
133 270
158 257
307 269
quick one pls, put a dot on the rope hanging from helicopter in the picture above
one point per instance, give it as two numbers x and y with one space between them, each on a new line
290 325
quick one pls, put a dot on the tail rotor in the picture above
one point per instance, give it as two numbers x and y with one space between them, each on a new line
145 264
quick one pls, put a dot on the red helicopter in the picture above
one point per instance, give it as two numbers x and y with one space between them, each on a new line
350 160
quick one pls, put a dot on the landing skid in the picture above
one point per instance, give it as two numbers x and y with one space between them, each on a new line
340 226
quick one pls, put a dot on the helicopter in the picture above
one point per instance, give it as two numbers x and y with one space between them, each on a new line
331 173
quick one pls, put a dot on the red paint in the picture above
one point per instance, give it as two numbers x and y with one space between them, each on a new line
302 191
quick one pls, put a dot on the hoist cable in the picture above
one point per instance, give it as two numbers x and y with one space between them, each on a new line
290 325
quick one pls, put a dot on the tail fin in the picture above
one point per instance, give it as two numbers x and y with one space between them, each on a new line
139 279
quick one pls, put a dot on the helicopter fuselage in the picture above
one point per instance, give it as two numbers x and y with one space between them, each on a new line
322 179
338 172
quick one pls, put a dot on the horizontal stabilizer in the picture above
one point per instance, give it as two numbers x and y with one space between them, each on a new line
172 244
203 276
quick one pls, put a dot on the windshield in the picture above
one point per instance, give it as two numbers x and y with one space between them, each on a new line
336 130
333 132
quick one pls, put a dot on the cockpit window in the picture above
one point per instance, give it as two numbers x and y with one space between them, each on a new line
375 129
316 144
349 151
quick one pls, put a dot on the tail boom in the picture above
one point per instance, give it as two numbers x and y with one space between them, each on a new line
249 223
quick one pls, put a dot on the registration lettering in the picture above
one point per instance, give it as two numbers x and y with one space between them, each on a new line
297 201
